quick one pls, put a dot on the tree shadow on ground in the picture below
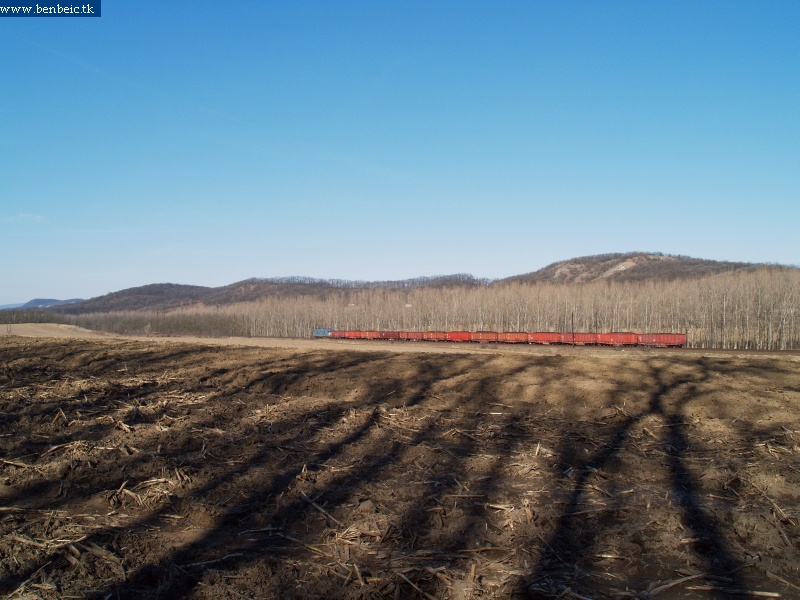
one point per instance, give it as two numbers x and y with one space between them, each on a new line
372 473
566 553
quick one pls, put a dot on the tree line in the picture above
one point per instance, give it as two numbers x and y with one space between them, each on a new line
757 309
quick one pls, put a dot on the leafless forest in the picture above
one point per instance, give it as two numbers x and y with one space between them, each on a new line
739 310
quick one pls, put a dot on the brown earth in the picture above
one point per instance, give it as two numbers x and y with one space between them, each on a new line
160 469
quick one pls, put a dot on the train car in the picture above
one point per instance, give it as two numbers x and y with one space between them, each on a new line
513 337
411 336
459 336
617 339
346 334
389 335
580 339
483 336
545 337
661 340
435 336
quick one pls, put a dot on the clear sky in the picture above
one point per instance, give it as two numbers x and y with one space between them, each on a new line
204 142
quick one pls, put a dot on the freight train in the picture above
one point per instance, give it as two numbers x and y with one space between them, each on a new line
653 340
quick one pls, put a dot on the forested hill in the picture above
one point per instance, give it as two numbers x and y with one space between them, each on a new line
633 266
164 296
629 267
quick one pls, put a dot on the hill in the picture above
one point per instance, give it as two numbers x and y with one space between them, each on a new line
155 296
631 266
49 302
634 266
163 296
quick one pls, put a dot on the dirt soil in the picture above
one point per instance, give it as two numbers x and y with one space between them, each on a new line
153 469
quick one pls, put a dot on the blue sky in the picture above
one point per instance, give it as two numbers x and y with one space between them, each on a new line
207 142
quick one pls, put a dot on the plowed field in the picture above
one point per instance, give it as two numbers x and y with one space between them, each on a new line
145 469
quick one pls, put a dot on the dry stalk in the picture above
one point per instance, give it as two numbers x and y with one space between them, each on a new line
320 509
714 588
671 584
29 581
48 545
27 541
75 444
59 415
591 510
439 575
416 587
503 507
151 482
468 435
100 552
19 465
205 563
358 574
133 495
782 580
312 548
333 571
467 496
775 506
781 531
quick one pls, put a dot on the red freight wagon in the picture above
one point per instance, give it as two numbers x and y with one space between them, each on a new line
411 335
434 335
580 339
483 336
370 335
389 335
617 339
673 339
350 334
459 336
513 337
662 340
338 333
626 338
546 337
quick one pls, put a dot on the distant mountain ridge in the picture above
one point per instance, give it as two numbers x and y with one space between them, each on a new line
49 302
163 296
40 303
632 266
